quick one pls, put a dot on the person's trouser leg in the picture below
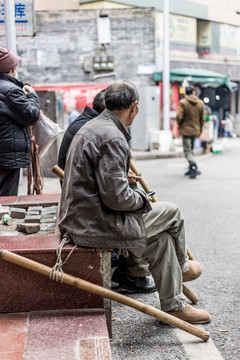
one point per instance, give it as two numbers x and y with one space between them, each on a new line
165 269
166 216
188 145
9 180
165 253
136 267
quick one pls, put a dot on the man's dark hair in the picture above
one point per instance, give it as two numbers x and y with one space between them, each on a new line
120 95
99 101
189 90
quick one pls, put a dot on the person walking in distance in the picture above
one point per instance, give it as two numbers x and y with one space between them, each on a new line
190 118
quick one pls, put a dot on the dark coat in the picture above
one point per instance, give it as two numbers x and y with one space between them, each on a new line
73 128
17 112
97 207
190 116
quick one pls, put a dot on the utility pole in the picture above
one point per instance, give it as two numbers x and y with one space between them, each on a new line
10 29
166 77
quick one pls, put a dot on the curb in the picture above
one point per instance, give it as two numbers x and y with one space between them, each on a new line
150 155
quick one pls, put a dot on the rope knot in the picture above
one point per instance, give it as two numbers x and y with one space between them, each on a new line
57 270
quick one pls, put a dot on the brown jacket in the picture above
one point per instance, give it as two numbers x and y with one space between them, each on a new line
97 207
190 116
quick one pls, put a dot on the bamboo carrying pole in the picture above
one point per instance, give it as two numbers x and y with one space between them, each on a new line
188 293
58 171
101 291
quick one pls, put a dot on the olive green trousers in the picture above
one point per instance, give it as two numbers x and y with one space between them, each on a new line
165 255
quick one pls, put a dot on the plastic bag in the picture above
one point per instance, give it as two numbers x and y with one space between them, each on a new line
45 132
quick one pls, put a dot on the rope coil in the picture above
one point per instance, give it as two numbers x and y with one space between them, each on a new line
57 270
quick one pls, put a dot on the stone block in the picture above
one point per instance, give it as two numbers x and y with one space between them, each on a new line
47 227
33 219
48 220
18 213
33 213
49 210
28 228
35 208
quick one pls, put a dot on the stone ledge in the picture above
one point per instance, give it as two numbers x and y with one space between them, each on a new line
30 200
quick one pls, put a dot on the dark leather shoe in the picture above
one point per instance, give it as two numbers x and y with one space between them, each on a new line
132 284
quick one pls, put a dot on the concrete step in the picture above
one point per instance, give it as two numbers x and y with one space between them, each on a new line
51 335
23 290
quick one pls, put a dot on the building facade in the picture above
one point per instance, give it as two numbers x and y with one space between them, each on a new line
96 42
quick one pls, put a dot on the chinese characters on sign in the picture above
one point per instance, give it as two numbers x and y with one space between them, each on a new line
24 16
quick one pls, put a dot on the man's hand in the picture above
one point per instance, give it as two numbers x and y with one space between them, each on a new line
28 89
133 178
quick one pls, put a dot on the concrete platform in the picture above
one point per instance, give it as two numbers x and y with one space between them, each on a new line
66 334
23 290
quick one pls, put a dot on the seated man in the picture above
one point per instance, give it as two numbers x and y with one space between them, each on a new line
130 275
98 208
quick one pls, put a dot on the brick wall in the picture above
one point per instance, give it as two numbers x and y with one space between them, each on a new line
64 38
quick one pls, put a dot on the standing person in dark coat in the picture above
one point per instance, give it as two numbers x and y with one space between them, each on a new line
87 114
19 108
190 118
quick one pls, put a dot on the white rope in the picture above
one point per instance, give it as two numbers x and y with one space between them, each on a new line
57 271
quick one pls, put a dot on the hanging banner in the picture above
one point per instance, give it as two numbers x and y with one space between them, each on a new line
24 17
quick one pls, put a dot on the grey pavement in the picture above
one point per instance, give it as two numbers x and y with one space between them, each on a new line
210 208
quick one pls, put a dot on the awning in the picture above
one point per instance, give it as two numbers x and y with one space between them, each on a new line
196 75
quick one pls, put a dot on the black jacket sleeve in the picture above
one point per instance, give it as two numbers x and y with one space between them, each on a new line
22 108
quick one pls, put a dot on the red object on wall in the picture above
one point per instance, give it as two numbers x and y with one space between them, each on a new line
79 95
173 101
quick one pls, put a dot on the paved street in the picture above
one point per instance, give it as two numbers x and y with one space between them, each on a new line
210 207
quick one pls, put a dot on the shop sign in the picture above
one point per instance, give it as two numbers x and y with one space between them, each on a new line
24 17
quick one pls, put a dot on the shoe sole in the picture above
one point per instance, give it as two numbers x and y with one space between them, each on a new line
193 322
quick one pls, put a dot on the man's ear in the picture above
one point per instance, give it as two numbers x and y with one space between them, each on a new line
133 105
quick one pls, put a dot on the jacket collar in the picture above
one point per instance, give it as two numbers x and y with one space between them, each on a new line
8 77
90 112
117 122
